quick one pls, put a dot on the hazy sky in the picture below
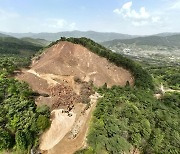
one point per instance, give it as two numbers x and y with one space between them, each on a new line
123 16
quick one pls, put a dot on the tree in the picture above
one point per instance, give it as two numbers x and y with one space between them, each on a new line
43 122
21 140
136 139
6 140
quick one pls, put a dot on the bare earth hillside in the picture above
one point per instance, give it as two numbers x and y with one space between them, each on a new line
65 73
68 59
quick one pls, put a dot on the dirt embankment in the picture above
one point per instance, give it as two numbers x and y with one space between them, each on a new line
64 72
60 126
76 137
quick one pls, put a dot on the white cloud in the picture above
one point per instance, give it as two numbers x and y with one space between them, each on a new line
127 12
7 15
138 18
72 26
55 23
117 11
127 6
175 5
139 23
156 19
13 22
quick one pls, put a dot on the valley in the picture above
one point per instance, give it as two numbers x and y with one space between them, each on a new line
154 50
153 55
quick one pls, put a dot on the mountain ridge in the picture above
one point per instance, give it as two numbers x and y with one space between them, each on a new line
96 36
12 45
154 40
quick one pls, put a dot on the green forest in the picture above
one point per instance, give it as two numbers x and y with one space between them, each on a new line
168 75
127 119
10 45
21 121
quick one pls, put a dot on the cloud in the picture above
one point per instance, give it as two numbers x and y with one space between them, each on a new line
175 5
12 22
156 19
72 26
138 18
139 23
7 15
55 23
59 24
127 6
127 12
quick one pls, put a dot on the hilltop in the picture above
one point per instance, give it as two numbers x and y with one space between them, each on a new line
71 62
64 76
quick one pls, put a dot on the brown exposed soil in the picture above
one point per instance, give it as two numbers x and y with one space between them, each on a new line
67 59
76 138
65 72
62 124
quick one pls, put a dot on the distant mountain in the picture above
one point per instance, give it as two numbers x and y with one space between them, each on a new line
3 35
96 36
167 41
19 35
11 45
166 34
40 42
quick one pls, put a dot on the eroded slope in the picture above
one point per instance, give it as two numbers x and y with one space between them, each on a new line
67 59
65 72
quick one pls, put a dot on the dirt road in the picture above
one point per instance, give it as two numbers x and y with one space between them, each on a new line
60 126
69 145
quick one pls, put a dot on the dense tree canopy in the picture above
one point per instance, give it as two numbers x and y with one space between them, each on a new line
168 75
127 118
21 122
11 45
